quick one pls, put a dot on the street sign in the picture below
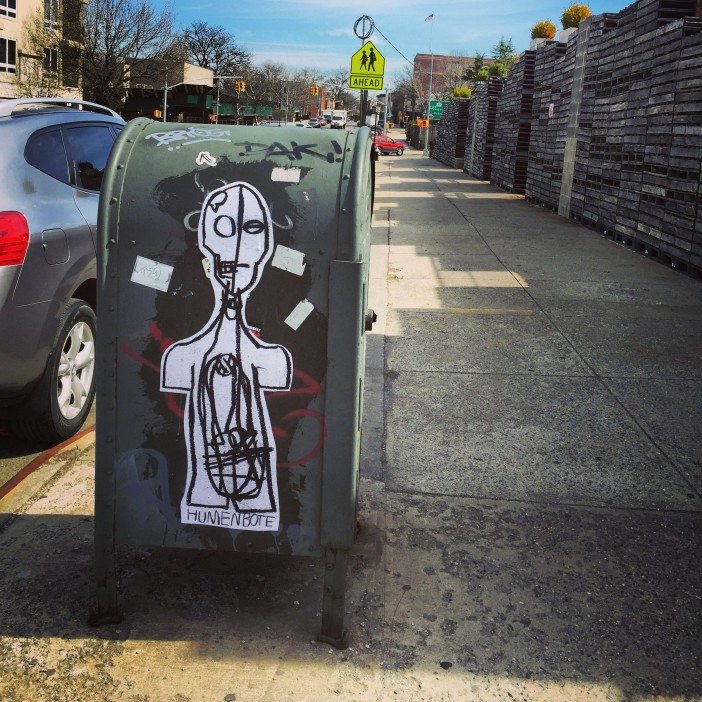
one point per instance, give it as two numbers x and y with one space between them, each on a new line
367 68
436 108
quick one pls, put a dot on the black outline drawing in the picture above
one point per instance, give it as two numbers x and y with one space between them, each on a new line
371 60
224 369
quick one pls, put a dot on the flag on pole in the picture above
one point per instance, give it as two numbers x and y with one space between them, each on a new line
430 18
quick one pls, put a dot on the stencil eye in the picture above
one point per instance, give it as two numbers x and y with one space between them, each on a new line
254 226
224 226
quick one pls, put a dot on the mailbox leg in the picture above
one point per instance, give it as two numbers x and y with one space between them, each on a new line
333 599
106 609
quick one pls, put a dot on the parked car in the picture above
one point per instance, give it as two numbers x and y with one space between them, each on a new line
314 122
388 145
53 155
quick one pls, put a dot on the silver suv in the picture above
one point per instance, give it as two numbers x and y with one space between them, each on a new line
52 156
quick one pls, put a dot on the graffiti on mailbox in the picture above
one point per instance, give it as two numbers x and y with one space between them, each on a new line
224 369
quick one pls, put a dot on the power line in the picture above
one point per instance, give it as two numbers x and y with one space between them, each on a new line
393 46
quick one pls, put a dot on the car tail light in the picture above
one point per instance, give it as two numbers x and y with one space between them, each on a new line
14 238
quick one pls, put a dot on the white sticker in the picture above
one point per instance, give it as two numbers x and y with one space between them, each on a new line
301 312
151 273
286 175
205 158
289 260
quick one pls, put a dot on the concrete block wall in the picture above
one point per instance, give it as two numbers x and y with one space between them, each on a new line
615 136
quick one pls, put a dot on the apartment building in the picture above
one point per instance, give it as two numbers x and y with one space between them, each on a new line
40 48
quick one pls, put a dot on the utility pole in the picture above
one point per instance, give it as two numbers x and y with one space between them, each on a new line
431 75
387 101
218 78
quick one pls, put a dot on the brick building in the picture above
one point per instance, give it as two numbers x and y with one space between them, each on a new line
446 74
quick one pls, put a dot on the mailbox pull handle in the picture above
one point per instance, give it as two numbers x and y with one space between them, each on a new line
371 318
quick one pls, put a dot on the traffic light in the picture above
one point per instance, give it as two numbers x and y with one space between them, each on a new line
314 90
240 86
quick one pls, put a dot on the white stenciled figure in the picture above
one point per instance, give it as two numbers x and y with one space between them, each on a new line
224 369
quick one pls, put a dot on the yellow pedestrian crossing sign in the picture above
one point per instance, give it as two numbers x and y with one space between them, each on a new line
367 68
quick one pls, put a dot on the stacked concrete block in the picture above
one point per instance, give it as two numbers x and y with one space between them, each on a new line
639 153
543 181
450 144
513 126
480 134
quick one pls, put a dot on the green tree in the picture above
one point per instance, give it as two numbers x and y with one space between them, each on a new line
471 74
462 92
503 51
498 69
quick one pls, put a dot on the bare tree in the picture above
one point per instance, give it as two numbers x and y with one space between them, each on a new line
408 88
38 72
48 64
299 88
127 41
453 78
266 84
336 86
215 48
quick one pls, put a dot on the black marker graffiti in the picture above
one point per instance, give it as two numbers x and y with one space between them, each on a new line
293 153
225 369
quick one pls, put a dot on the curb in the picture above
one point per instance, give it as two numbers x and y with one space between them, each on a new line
10 498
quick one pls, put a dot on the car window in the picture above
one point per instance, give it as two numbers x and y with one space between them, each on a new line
89 147
45 150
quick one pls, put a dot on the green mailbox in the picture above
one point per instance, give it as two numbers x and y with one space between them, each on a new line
232 306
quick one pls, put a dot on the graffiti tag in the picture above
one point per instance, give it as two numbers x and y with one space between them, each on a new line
191 135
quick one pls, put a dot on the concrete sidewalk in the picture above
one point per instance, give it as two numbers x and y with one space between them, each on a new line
529 502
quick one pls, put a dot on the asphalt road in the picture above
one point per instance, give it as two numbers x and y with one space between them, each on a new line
16 453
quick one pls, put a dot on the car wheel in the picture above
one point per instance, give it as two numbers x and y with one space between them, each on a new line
63 398
399 152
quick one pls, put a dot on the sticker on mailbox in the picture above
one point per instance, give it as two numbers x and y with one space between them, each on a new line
152 274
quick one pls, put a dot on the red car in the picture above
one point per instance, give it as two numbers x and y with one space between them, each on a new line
387 145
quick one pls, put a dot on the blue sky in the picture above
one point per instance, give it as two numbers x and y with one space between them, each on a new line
319 33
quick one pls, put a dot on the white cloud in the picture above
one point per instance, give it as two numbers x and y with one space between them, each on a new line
341 32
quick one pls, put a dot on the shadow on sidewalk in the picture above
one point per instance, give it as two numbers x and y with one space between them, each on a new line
524 593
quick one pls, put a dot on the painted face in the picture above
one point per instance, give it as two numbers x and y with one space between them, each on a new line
236 234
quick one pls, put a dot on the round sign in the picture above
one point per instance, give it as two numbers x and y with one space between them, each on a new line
364 27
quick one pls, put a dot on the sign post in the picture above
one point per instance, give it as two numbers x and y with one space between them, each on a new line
363 28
